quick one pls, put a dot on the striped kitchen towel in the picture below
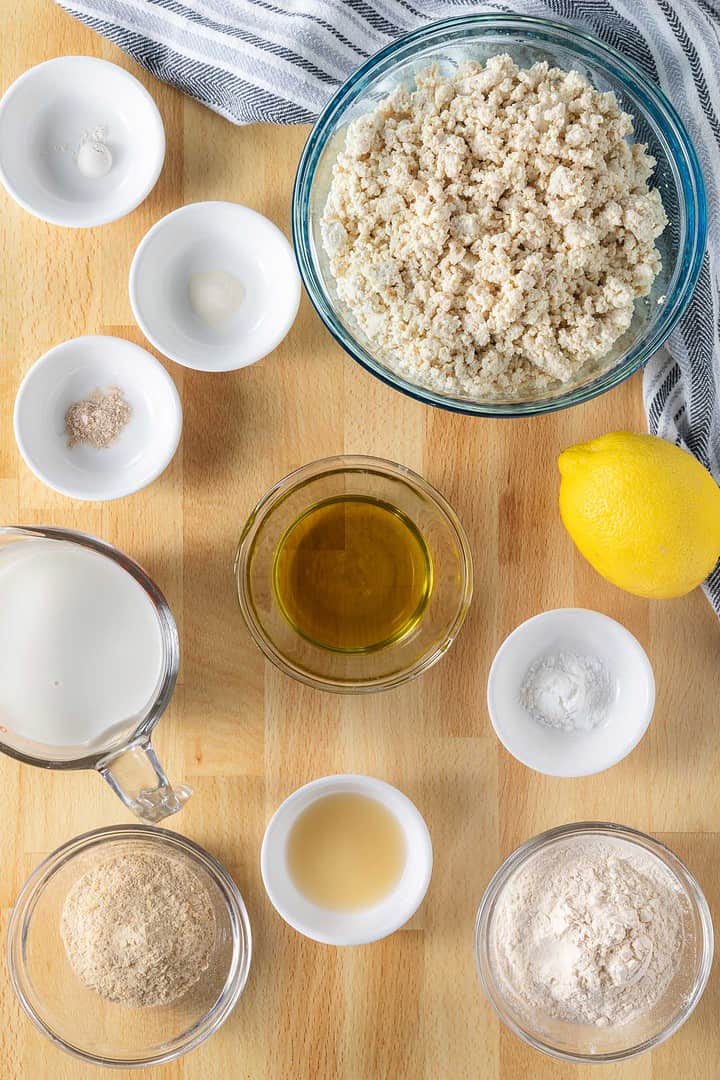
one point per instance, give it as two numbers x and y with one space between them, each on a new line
280 60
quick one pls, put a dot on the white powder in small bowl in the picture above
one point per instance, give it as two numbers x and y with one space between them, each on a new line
568 691
94 159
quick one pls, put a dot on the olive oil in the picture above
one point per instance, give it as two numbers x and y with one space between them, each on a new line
352 574
346 851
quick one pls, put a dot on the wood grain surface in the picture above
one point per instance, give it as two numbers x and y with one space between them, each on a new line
245 736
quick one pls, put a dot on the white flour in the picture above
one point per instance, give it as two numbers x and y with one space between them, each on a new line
589 931
567 691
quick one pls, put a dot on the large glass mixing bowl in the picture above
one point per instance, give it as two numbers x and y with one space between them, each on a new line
478 37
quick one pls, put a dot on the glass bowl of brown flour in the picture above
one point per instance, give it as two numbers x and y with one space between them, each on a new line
129 946
593 942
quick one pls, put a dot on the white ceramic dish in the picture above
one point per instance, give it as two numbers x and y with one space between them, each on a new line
47 114
69 373
556 752
353 927
204 238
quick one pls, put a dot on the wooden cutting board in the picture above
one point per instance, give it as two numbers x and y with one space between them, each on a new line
244 736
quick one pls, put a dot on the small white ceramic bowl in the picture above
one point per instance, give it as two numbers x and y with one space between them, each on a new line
578 753
204 238
347 927
50 111
69 373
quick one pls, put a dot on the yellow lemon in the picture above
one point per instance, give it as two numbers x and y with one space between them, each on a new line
643 512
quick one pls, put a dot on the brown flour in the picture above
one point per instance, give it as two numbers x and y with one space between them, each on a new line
98 419
139 929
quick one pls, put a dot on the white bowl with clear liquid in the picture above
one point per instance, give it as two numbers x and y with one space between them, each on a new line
361 926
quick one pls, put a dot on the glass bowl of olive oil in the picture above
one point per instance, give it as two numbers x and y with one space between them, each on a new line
353 574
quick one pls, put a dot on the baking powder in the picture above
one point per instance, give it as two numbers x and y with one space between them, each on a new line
567 690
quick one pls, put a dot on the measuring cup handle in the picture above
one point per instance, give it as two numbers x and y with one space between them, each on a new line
138 778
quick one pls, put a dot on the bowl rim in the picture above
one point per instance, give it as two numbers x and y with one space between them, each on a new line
654 100
557 614
633 836
236 209
276 494
115 490
235 982
155 163
374 788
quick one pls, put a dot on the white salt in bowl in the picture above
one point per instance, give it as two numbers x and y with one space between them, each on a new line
71 372
365 924
207 238
577 753
48 113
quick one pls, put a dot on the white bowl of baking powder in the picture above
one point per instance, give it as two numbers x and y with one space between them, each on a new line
620 677
214 286
81 141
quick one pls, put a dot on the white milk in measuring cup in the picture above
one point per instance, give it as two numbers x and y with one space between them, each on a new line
88 660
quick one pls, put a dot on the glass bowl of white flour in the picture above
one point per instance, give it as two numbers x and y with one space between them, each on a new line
593 942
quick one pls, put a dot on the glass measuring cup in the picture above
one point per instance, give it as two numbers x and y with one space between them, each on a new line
123 755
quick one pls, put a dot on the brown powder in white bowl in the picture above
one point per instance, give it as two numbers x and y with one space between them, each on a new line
139 929
98 419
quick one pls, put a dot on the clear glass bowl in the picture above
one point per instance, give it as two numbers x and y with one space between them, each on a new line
75 1017
585 1043
528 40
403 659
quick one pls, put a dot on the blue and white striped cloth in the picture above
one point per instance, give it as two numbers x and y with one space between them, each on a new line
278 61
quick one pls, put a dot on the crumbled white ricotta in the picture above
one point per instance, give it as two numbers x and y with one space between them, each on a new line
491 231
